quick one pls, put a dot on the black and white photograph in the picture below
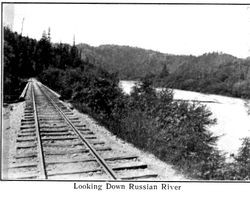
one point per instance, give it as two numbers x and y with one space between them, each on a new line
132 92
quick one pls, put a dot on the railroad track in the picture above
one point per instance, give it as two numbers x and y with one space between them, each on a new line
53 143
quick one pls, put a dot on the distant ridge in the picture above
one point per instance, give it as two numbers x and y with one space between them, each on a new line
134 62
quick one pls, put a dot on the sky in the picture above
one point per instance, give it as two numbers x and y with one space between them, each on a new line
173 29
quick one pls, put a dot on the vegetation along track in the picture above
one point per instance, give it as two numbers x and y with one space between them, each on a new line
53 143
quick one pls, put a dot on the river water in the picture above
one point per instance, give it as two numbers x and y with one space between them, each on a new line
232 114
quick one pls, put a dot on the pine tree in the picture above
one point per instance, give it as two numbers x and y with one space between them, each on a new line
49 37
44 53
164 72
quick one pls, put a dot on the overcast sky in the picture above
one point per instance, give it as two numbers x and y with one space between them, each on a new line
174 29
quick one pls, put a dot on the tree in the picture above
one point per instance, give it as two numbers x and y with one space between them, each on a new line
164 72
44 53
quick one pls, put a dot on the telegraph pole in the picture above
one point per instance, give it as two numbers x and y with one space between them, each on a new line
22 26
74 42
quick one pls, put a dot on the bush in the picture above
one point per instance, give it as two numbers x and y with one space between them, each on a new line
12 88
242 161
53 78
173 131
239 168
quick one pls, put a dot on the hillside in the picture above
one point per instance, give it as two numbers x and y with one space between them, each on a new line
134 63
130 62
216 73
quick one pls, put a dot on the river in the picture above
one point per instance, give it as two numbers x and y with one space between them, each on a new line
232 114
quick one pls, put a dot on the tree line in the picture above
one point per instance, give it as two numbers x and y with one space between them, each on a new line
210 73
25 57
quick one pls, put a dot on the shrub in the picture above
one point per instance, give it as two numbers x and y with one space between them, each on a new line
242 160
173 131
53 78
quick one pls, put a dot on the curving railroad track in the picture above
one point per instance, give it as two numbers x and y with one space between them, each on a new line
53 143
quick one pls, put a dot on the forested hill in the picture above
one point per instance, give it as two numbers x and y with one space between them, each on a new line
130 62
134 63
215 73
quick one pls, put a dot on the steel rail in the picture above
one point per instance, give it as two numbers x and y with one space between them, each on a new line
101 161
23 94
43 173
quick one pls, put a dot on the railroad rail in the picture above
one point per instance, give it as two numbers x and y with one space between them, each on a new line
53 143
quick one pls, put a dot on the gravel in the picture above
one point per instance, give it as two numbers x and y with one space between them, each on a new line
12 115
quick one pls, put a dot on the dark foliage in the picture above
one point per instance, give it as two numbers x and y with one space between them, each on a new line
130 62
230 77
25 57
240 168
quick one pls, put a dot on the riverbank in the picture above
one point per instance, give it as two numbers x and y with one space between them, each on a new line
232 115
